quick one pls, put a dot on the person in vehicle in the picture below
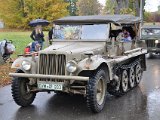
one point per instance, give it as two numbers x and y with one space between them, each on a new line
38 37
124 36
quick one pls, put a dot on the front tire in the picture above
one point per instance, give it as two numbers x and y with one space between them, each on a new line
20 92
96 91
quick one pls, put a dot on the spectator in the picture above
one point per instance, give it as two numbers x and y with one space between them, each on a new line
6 49
38 37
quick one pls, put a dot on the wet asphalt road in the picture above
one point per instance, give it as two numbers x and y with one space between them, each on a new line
141 103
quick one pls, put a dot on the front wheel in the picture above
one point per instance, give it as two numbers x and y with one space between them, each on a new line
20 92
96 91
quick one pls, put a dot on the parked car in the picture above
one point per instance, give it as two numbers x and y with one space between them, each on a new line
84 61
150 34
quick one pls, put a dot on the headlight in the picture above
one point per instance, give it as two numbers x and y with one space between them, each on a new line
71 66
26 65
156 41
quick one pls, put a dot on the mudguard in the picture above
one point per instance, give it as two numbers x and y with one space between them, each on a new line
17 64
96 61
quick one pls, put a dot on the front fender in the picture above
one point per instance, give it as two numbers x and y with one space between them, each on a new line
17 64
96 62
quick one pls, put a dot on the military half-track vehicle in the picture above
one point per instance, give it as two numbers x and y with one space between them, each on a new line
83 59
150 34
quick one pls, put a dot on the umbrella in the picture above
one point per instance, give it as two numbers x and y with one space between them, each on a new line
36 22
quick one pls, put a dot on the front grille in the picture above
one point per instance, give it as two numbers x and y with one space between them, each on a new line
52 64
150 43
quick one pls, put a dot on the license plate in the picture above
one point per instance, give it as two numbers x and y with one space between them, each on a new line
154 49
51 86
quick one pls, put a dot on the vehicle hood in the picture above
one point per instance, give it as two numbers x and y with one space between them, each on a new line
150 37
73 47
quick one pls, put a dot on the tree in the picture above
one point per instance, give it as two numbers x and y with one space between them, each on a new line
123 6
110 7
72 7
88 7
18 13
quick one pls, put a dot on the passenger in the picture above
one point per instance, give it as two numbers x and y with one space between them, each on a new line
126 36
38 37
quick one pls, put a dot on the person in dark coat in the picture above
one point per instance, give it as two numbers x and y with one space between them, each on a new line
56 33
38 37
50 34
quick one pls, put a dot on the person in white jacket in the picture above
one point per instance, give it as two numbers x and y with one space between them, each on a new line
6 49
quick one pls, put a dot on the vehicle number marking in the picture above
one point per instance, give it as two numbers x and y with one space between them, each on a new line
54 86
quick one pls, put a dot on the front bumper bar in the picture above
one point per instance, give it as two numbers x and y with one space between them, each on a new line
60 77
153 50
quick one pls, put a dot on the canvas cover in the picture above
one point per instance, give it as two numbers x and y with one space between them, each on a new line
99 19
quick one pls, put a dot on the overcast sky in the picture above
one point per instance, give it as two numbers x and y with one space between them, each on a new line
151 5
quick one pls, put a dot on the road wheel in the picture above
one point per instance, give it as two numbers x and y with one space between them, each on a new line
124 81
131 77
96 91
138 72
20 92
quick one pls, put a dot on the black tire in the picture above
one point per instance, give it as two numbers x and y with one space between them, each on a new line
95 100
19 92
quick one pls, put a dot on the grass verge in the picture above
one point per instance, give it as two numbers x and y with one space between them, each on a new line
20 40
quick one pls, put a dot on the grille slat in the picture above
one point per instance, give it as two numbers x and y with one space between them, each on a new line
52 64
150 43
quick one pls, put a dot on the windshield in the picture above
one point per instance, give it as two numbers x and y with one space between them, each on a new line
81 32
150 31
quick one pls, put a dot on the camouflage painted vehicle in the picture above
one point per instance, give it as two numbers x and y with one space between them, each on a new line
150 34
84 61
